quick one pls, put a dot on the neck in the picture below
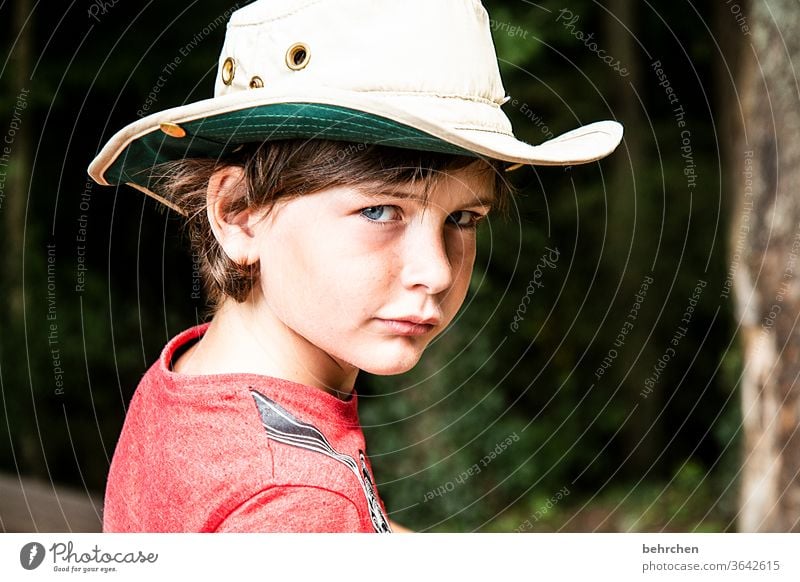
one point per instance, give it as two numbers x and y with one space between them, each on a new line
249 338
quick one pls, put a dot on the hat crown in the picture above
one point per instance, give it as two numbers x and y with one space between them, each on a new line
435 47
419 74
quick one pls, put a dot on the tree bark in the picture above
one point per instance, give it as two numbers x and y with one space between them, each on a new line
765 248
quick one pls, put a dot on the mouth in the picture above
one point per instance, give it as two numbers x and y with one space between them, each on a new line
407 327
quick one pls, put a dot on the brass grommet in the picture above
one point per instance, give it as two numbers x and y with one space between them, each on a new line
172 129
297 56
256 82
228 70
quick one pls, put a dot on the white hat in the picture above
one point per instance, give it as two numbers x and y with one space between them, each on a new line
418 74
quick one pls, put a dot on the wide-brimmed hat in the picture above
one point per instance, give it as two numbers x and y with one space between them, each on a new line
418 74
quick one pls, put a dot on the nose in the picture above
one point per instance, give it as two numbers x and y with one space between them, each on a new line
427 258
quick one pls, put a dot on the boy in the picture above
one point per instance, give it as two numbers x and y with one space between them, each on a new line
332 187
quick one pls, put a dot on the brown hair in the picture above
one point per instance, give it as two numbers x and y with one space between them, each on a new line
289 168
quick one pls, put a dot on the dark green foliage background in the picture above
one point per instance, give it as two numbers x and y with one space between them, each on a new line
668 461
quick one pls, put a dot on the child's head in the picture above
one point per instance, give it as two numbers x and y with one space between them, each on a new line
339 240
272 173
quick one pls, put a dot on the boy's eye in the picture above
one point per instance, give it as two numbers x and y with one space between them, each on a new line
465 219
382 213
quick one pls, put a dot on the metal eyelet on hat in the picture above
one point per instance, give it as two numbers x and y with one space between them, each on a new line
256 82
228 70
297 56
172 129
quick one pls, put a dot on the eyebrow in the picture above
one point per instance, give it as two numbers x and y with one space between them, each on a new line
401 194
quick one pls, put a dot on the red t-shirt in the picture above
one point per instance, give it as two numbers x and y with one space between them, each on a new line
238 453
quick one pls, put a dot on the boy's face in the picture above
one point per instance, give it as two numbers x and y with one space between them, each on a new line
353 271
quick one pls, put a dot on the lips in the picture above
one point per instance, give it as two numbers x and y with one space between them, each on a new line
408 327
417 319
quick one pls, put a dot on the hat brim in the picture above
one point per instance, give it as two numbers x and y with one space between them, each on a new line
213 127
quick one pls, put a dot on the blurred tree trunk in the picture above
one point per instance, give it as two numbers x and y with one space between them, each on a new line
765 253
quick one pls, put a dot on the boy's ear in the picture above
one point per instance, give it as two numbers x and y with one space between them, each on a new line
235 231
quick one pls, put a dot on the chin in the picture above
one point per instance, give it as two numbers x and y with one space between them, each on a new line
385 365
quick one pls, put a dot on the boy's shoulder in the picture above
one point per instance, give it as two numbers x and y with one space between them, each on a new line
206 441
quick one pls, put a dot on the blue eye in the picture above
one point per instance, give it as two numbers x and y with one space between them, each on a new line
379 213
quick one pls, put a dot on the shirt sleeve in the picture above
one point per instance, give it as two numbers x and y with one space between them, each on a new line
294 509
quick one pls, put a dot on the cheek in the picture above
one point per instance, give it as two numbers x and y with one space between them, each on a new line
358 259
462 261
325 279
